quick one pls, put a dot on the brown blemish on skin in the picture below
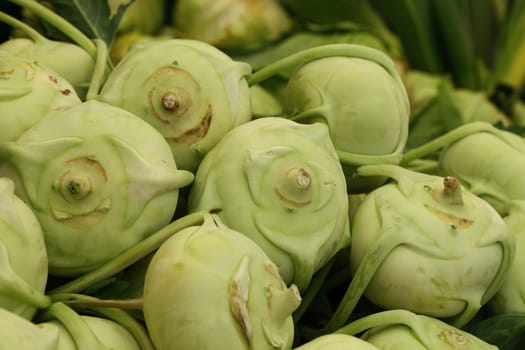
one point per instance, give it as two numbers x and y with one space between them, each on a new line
449 218
290 202
196 133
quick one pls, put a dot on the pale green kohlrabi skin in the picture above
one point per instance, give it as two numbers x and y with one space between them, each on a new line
426 244
243 25
68 60
111 334
190 91
99 180
23 257
134 19
28 93
211 287
19 333
280 183
363 101
494 171
402 330
336 341
511 296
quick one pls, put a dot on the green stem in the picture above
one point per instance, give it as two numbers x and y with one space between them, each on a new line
18 24
130 256
99 71
316 283
118 315
83 336
445 139
302 57
73 299
366 270
60 23
387 318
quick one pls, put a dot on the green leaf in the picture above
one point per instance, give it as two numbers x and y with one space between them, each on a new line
506 331
95 18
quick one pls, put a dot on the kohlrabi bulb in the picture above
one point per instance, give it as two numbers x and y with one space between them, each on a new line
191 92
280 183
494 171
210 287
511 296
362 99
19 333
134 18
401 330
23 257
110 334
425 244
68 60
232 24
28 93
336 341
99 180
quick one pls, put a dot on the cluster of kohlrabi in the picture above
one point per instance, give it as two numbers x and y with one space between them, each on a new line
196 193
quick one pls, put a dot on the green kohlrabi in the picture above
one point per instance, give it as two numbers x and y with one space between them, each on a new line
99 180
28 93
77 331
401 329
336 342
19 333
134 19
191 92
356 91
511 296
68 60
210 287
494 171
243 25
280 183
23 257
425 244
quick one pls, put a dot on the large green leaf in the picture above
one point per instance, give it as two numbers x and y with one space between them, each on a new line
95 18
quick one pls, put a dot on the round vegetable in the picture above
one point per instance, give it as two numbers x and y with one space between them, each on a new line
281 184
28 93
191 92
19 333
232 24
23 256
336 342
210 287
425 244
98 178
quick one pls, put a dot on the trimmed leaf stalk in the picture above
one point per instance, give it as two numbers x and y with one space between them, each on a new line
130 256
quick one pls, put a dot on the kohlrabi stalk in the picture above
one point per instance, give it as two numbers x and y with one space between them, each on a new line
115 311
29 92
356 91
191 92
491 164
444 140
280 183
511 296
130 256
425 244
99 180
68 60
83 336
60 23
23 256
337 342
401 329
19 333
211 287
